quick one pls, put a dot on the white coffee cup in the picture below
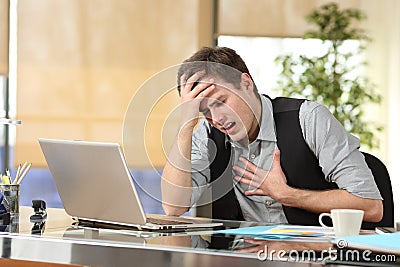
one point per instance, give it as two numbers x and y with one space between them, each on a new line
346 222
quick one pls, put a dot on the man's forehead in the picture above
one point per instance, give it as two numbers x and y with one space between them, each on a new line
219 91
209 76
218 94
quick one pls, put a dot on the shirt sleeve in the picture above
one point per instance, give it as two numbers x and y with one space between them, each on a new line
337 151
200 161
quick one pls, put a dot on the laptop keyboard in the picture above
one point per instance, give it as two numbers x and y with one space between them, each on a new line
164 221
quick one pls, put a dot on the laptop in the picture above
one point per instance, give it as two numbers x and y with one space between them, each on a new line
95 186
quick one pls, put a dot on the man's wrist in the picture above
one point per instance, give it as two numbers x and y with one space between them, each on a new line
288 196
187 127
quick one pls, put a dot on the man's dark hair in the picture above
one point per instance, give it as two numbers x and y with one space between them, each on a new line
229 65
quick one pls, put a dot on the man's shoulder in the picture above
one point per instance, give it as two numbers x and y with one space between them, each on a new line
309 108
282 104
306 107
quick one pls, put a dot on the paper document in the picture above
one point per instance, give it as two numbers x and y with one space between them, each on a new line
281 232
384 243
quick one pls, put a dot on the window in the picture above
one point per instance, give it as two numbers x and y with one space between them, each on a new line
259 53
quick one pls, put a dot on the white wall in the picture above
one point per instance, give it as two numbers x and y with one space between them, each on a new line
383 25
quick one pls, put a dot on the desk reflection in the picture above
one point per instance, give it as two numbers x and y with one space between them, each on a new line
207 241
287 246
94 234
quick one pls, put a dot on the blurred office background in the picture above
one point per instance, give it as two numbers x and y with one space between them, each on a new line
71 67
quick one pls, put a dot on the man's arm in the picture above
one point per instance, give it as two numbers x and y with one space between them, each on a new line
176 180
273 183
324 201
340 161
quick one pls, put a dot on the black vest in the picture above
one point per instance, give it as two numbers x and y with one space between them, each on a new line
298 162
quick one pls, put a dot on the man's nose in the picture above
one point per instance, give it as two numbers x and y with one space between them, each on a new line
217 117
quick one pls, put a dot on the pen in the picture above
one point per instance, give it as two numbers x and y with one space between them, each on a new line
23 167
24 173
17 174
8 172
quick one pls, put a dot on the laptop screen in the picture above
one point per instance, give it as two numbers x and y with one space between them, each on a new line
93 181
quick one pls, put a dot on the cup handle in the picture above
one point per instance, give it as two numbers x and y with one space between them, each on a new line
320 219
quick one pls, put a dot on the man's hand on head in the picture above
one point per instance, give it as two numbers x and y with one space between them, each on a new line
193 91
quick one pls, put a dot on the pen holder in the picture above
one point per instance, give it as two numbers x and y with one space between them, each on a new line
9 196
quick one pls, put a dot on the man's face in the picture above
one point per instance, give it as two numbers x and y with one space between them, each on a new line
228 109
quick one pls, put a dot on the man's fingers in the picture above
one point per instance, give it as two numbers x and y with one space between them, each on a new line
255 242
256 191
195 78
202 88
248 182
187 83
182 81
204 92
249 165
252 249
277 159
244 173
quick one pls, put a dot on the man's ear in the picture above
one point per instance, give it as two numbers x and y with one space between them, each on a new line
246 83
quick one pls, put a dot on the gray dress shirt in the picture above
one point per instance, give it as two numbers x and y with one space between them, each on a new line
336 150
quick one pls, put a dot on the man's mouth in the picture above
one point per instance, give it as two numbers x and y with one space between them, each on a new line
228 127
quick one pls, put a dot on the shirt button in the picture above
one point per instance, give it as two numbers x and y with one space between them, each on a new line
268 203
252 156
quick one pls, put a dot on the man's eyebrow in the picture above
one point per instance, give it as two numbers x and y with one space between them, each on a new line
213 102
216 99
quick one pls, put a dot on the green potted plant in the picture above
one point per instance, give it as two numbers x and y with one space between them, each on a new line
332 78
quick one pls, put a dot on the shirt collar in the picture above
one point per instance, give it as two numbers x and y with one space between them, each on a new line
267 125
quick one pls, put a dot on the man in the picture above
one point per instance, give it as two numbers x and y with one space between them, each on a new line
287 160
